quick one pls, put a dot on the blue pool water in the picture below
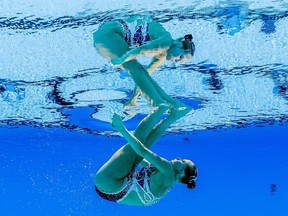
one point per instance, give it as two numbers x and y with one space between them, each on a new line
57 97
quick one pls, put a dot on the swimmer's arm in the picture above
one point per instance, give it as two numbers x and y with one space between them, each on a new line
155 63
158 45
144 163
158 162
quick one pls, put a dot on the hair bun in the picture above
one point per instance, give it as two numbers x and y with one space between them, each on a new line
191 185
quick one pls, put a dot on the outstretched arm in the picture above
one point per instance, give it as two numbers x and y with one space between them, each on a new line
160 163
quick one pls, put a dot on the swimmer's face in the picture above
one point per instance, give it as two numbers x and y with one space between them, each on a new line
188 45
182 164
183 57
182 50
177 54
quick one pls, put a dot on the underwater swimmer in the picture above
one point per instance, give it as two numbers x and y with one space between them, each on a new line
117 180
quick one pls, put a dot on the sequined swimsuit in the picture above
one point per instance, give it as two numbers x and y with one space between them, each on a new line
140 179
135 33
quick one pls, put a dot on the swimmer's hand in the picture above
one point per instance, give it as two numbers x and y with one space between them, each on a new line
117 61
117 122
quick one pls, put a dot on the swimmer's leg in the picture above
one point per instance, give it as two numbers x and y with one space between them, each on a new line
133 100
160 128
148 124
109 42
176 104
110 176
155 133
148 86
145 83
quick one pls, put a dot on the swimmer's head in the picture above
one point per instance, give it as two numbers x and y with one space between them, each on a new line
191 174
186 172
188 44
182 49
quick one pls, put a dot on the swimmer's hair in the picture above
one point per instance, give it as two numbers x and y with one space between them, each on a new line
188 44
190 177
188 37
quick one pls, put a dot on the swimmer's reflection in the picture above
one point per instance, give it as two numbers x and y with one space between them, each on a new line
117 180
214 80
122 41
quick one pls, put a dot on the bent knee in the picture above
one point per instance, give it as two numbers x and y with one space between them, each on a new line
99 178
105 30
98 37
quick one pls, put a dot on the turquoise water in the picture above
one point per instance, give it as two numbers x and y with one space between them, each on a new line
57 97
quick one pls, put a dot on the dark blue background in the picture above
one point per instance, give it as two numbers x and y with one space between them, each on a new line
50 171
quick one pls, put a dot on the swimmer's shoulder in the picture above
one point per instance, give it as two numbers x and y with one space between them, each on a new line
162 181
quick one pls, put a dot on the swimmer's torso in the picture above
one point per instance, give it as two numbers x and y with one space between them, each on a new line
136 31
143 184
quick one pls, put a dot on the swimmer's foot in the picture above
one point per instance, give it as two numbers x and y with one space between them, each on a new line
178 105
117 122
180 112
175 105
169 102
172 105
161 103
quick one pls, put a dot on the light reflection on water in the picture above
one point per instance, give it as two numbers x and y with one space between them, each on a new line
237 77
